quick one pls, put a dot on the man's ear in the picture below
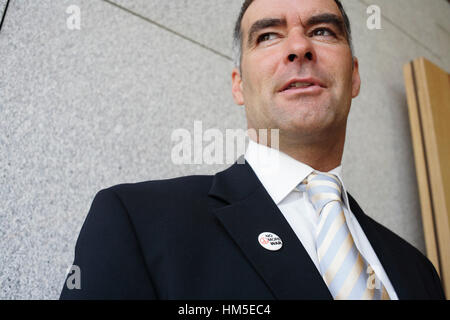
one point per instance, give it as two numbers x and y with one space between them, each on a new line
356 80
236 88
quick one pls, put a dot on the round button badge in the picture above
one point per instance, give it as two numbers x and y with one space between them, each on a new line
270 241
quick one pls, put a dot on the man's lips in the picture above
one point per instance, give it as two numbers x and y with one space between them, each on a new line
310 90
302 84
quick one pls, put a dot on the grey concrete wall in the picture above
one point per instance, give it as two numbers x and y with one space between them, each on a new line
82 110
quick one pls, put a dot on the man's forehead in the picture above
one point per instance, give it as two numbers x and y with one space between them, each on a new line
286 10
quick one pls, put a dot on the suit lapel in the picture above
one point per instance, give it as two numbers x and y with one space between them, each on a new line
389 254
288 272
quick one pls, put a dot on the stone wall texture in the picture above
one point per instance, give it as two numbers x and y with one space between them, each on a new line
81 110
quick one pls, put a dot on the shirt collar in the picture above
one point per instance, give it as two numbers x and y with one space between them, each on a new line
278 172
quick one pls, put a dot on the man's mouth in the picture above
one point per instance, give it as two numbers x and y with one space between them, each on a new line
299 85
302 86
296 84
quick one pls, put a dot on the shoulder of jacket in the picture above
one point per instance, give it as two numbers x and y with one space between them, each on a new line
185 183
160 194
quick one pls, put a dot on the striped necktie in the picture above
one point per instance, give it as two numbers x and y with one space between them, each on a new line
344 270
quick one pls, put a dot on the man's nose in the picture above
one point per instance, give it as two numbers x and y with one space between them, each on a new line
299 47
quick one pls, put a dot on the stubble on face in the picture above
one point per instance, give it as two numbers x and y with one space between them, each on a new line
309 117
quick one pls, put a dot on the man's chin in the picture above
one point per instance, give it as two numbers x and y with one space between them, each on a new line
305 131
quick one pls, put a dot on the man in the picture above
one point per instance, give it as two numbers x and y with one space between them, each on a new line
279 226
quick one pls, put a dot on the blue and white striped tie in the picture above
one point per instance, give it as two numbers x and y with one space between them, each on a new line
344 270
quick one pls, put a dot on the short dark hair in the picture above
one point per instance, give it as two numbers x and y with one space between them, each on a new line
237 35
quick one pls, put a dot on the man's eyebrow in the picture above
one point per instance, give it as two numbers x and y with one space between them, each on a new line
262 24
329 18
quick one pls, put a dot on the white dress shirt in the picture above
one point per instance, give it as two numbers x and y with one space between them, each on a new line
280 174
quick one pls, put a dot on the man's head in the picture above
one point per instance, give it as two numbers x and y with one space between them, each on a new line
237 35
289 43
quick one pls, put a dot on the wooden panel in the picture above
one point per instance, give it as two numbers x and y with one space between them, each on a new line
428 94
421 168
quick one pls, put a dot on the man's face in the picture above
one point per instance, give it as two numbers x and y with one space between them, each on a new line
281 45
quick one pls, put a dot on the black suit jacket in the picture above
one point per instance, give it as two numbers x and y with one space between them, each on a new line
196 238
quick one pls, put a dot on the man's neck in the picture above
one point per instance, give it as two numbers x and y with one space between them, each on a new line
321 158
322 155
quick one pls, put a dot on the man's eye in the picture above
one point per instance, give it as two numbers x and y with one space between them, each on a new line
323 32
266 37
